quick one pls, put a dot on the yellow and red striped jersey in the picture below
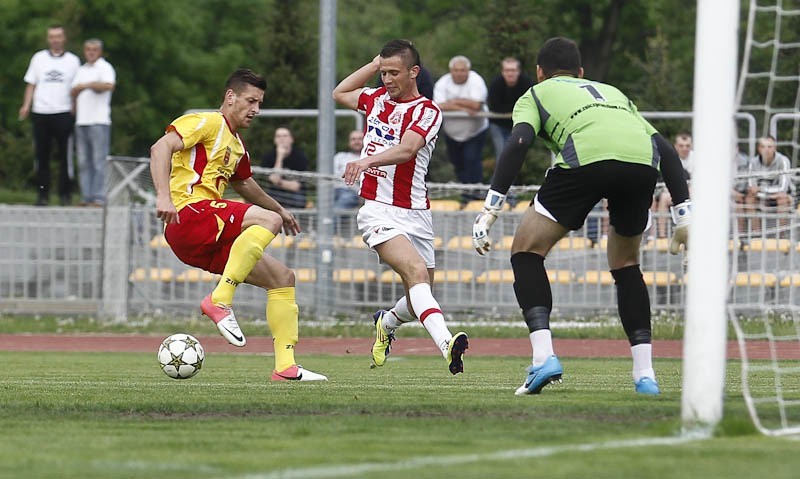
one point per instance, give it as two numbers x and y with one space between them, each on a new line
212 156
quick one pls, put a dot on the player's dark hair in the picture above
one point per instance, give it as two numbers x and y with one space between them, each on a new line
559 54
242 77
404 49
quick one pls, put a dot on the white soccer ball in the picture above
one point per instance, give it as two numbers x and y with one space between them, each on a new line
181 356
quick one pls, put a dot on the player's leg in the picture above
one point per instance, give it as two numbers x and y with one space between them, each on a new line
629 199
243 232
534 238
282 317
401 255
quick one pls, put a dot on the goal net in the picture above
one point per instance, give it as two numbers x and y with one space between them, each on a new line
765 262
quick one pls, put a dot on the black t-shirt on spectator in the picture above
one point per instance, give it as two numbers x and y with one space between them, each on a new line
296 161
501 98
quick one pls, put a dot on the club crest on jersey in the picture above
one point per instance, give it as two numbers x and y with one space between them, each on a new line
227 156
395 118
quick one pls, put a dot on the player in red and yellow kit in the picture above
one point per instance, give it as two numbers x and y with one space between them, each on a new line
198 156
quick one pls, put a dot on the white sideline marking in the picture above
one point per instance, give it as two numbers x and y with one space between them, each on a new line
346 470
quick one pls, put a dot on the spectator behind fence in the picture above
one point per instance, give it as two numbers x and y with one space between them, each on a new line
47 99
91 89
771 192
345 197
662 201
504 91
290 193
463 90
740 166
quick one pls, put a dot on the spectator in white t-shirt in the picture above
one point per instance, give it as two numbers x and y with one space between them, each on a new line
47 100
346 197
91 88
464 90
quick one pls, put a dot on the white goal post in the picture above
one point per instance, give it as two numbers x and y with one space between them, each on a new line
706 319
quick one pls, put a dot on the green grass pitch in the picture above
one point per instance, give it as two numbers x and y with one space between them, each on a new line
97 415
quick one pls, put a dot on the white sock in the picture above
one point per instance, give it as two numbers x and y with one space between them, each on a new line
430 315
542 345
643 362
398 315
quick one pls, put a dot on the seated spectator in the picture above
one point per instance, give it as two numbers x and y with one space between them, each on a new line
346 197
662 199
773 191
740 166
289 193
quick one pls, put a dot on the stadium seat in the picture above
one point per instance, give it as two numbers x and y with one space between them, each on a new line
159 241
596 277
152 274
196 276
658 244
573 243
305 275
459 242
504 244
770 245
305 243
506 276
453 276
660 278
477 205
438 242
281 241
357 242
353 275
521 206
791 281
389 276
767 280
445 205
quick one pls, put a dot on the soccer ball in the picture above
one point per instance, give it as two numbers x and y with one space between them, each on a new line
181 356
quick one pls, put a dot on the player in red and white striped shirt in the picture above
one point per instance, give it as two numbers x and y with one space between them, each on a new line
395 221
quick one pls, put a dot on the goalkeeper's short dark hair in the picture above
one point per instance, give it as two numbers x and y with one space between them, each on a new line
404 49
559 54
245 76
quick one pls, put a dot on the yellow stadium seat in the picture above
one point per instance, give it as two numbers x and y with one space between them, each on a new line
770 245
660 278
445 205
768 280
159 241
477 205
357 242
304 243
496 276
353 275
792 280
152 274
196 276
305 275
438 242
573 243
390 276
506 276
504 243
658 244
453 276
521 207
459 242
281 241
596 277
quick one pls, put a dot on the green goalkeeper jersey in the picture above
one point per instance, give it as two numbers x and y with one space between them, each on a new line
582 122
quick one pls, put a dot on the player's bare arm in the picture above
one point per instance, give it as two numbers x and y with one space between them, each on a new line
348 90
409 145
252 192
160 168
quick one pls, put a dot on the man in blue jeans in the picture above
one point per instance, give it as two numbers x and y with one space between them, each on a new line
464 90
91 89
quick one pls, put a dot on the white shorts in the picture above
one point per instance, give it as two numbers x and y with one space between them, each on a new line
380 222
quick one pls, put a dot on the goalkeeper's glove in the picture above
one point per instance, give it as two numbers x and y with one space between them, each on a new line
682 217
480 229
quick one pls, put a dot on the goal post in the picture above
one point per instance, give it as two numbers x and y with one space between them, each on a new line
714 107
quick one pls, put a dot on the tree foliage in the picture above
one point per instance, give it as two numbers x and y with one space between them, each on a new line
174 56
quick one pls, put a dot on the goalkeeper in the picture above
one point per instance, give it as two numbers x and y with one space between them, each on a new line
604 149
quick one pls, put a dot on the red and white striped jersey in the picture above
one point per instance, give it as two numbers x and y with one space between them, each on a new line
400 185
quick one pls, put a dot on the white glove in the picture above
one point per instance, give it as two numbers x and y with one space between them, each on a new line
486 218
682 217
